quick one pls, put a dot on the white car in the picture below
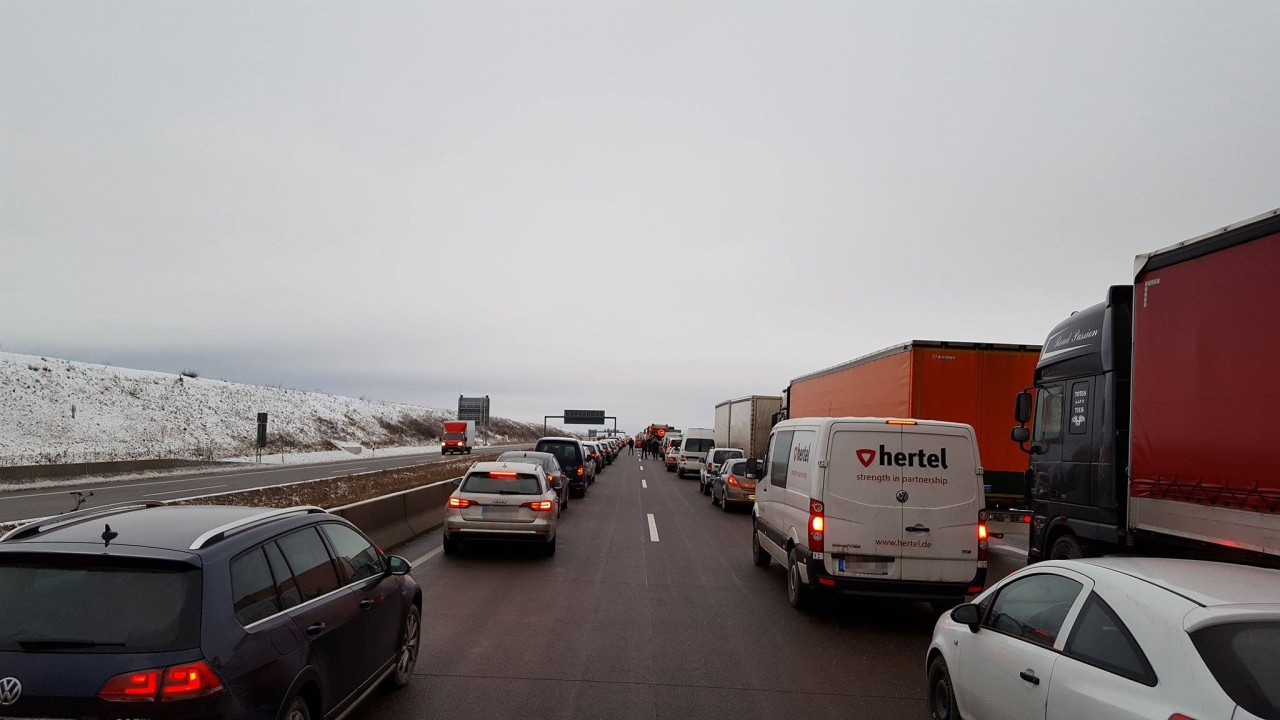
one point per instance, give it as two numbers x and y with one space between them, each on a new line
502 501
1118 638
716 458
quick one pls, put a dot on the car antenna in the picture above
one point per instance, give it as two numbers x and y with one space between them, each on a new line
108 535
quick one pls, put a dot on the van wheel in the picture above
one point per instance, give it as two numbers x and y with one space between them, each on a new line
942 697
798 594
298 710
1067 547
759 555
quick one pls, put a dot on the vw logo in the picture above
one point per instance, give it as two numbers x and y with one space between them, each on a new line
10 691
902 496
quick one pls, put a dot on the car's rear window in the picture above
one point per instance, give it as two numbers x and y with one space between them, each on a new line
1243 659
98 608
566 453
699 445
735 467
723 455
502 483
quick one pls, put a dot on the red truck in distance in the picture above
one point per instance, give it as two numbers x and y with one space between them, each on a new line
459 437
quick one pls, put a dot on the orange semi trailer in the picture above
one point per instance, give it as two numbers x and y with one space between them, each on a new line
930 380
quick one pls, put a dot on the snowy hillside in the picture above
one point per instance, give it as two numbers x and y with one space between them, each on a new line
56 411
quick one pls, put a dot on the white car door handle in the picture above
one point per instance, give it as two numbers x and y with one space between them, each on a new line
1030 676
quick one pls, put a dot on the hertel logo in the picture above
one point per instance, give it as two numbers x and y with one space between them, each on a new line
919 458
10 691
800 454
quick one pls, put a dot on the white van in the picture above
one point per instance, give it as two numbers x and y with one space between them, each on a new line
873 506
694 446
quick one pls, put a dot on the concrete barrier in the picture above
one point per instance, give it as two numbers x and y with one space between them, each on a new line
397 518
32 472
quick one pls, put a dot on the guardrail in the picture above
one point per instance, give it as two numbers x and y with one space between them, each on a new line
397 518
30 472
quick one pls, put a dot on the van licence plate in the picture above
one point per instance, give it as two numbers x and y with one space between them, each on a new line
860 566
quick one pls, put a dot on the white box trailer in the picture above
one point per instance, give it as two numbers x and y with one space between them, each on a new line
745 423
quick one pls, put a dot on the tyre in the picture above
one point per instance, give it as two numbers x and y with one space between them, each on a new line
798 594
724 503
549 548
297 710
450 546
942 697
1067 547
759 555
407 659
714 502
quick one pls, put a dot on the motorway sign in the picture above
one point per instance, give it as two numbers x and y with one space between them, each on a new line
583 417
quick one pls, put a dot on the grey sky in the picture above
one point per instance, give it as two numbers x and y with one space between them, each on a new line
402 200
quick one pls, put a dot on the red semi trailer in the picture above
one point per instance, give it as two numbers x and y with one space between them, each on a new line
1154 410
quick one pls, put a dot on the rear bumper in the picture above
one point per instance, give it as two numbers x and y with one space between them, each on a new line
735 495
818 577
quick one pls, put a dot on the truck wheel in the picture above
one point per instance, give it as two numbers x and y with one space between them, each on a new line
1067 547
760 556
798 594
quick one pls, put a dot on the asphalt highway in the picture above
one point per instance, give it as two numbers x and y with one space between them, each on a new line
651 608
42 502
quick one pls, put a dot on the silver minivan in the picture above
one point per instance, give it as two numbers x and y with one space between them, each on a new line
878 506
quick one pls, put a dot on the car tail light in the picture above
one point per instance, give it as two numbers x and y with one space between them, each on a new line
817 526
539 505
180 682
1180 716
190 681
503 475
460 502
579 471
733 481
138 686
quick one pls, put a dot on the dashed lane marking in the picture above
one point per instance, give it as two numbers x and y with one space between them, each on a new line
653 529
644 483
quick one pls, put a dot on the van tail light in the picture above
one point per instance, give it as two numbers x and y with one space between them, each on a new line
180 682
1180 716
539 505
459 502
733 481
982 537
817 526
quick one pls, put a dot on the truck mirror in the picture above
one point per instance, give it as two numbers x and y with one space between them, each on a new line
1022 408
1020 434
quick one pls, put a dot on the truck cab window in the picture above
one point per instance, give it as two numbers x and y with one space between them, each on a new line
1049 411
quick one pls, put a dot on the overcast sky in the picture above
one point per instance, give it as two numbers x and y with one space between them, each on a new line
639 207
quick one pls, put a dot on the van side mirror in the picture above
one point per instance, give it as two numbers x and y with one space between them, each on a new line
1020 434
752 469
967 614
1022 408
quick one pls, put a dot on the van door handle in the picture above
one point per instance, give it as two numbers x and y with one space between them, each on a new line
1029 676
917 528
315 629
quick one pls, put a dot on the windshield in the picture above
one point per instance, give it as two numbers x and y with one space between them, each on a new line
500 482
698 445
88 609
566 453
1243 659
455 436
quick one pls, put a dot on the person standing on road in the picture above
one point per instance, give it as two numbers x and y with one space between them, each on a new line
631 446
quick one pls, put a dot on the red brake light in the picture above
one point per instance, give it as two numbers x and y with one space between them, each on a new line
539 505
579 471
458 502
1180 716
817 526
139 686
504 475
189 681
733 481
982 538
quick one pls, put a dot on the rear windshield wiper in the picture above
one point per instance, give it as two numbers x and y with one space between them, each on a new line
511 492
32 644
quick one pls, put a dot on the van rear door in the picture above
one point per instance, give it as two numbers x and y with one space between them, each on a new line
863 516
940 514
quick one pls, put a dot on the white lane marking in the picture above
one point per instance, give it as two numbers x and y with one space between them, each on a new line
428 556
644 483
175 492
642 467
1009 550
653 529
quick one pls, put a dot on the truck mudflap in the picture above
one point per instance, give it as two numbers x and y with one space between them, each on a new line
816 576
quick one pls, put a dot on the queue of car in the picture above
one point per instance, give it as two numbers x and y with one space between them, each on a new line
891 507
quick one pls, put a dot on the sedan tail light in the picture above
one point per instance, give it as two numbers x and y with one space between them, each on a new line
460 502
180 682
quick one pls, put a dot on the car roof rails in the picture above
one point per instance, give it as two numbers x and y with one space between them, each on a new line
56 521
222 532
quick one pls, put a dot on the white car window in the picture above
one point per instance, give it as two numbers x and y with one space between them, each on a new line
1099 638
1033 608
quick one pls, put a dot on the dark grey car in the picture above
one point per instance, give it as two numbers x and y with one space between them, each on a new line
550 465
